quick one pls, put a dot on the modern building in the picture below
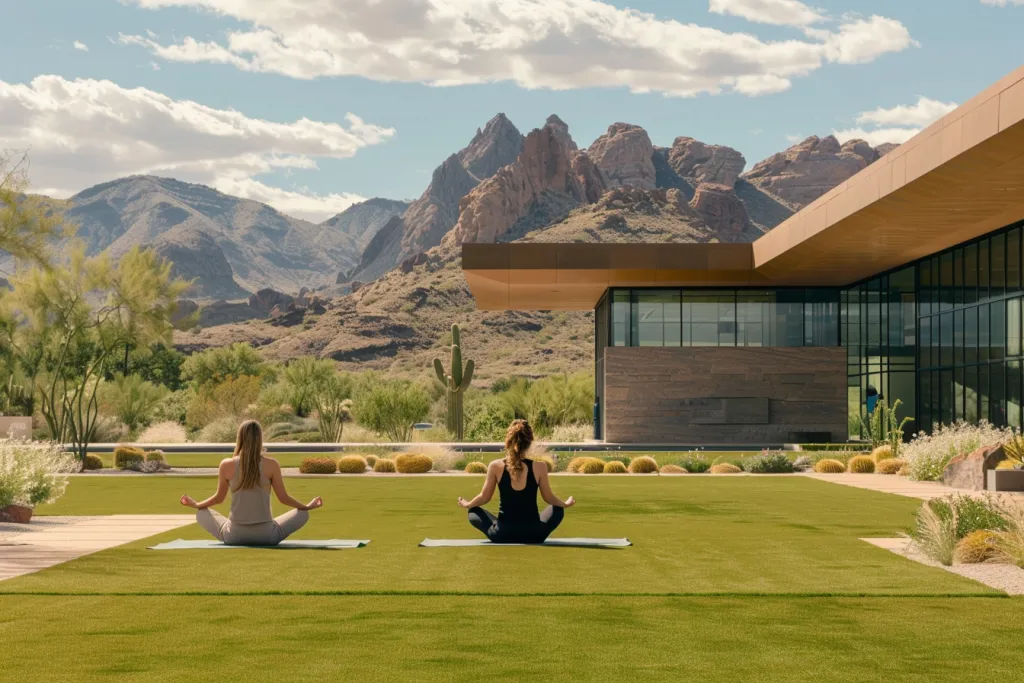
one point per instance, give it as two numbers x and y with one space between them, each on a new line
906 280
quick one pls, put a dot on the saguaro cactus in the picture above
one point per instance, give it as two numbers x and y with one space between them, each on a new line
456 382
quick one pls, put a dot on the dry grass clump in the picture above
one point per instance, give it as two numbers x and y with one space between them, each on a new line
725 468
413 463
614 467
352 464
829 466
385 466
318 466
861 464
643 464
889 466
591 466
475 467
936 535
673 469
126 457
977 547
883 452
93 462
163 432
442 459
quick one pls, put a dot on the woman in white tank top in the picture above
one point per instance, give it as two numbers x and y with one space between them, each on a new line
250 476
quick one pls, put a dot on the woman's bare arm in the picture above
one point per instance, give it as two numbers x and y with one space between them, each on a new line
487 492
273 470
223 478
540 471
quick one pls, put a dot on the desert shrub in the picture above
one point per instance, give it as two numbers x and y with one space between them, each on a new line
351 464
390 407
221 430
413 463
883 452
475 467
288 428
384 465
370 459
318 466
591 466
92 462
442 459
155 456
643 464
768 463
131 399
614 467
149 466
829 466
1009 541
174 407
109 430
163 432
487 418
934 535
889 466
575 464
928 454
126 456
725 468
546 459
33 473
572 433
694 465
971 513
976 547
861 464
803 463
301 379
220 364
673 469
231 398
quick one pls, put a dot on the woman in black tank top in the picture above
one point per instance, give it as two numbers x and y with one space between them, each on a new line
518 479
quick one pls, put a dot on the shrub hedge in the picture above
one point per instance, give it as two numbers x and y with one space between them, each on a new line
93 462
413 463
768 463
318 466
694 465
352 464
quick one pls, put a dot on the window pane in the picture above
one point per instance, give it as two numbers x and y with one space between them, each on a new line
1013 260
1013 394
997 395
983 392
1013 341
971 335
958 395
970 273
971 394
620 318
658 318
925 347
958 337
946 339
998 256
997 331
946 396
946 281
958 277
984 270
983 333
925 412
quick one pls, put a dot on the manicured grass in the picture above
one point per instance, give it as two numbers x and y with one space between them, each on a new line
692 535
374 639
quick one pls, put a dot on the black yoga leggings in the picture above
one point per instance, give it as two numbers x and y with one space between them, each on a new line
498 532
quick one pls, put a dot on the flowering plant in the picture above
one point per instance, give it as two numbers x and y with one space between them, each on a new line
33 473
928 454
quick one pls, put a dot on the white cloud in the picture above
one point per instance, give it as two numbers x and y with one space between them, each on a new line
87 131
553 44
895 124
79 45
779 12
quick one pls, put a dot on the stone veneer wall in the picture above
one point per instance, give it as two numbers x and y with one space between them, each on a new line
724 395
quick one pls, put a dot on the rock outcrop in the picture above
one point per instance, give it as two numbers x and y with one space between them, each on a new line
723 212
807 170
624 156
430 217
196 257
355 226
702 163
266 300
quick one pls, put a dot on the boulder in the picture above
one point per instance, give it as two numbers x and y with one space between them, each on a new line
624 156
722 210
266 300
703 163
969 471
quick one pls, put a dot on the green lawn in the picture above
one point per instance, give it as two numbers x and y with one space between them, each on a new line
730 579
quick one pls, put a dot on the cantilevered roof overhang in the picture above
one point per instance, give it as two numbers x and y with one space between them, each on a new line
960 178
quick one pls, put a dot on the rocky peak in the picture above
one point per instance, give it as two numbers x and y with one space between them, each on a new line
885 148
703 163
561 131
497 145
624 156
196 257
723 211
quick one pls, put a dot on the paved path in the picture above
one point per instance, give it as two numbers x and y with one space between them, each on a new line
901 486
48 541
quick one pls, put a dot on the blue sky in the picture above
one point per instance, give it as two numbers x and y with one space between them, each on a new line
943 50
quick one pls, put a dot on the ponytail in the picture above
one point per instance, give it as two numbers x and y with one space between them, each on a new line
518 440
249 451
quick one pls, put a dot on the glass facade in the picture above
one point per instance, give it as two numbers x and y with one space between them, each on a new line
943 335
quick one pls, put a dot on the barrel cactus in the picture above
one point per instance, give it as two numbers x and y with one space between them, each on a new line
476 467
455 382
614 467
673 469
889 466
592 466
725 468
384 466
352 464
861 464
829 466
318 466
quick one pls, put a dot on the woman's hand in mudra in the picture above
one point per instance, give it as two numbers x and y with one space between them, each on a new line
187 501
463 503
570 501
317 502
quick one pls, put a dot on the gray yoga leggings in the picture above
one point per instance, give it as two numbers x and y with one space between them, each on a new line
500 532
265 533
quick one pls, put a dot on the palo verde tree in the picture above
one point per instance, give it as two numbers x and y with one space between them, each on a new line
27 224
74 316
455 383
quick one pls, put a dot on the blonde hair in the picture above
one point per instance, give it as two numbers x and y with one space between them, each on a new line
249 451
517 442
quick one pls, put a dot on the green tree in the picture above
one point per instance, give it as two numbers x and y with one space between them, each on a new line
390 407
131 399
333 405
158 364
70 319
27 223
214 366
303 377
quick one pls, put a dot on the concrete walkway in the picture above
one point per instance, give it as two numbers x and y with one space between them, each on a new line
49 541
900 486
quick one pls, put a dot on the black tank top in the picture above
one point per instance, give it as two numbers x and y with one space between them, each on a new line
518 507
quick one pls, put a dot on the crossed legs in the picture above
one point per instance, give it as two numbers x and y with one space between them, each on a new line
486 523
270 533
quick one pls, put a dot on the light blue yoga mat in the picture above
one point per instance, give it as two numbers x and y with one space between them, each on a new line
329 544
554 542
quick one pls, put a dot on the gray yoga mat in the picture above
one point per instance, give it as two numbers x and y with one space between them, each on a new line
328 544
554 542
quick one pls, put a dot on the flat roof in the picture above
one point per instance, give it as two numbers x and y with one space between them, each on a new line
960 178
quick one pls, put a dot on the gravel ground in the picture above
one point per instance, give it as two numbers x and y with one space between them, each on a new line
1005 577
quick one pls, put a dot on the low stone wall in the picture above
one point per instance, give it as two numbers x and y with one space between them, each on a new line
724 395
15 427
